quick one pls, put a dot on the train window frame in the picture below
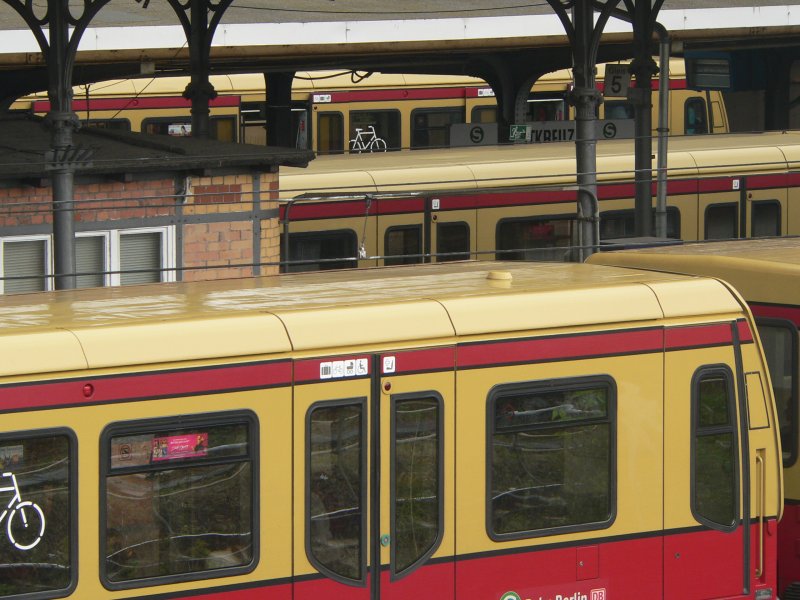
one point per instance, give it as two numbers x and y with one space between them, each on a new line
673 216
476 115
396 127
361 403
329 114
156 425
72 454
403 259
732 206
794 361
499 253
187 120
568 384
458 255
325 233
697 430
395 399
763 204
433 110
695 103
101 123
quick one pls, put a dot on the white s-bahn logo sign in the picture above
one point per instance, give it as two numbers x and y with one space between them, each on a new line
25 524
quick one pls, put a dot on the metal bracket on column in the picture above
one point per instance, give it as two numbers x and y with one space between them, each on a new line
199 30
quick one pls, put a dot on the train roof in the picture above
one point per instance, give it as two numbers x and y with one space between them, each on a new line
762 270
335 312
524 165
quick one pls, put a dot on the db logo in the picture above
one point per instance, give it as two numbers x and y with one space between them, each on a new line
598 594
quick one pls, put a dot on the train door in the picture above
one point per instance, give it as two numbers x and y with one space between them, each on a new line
706 547
403 238
374 477
453 225
767 214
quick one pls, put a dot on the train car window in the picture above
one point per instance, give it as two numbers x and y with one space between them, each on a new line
452 241
430 127
403 245
220 128
416 483
140 257
374 130
618 109
779 340
534 238
330 133
38 482
552 457
112 124
714 454
323 249
547 106
25 265
336 484
722 221
616 224
766 218
484 114
695 119
179 500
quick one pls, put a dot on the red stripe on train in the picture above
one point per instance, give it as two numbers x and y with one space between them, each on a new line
151 385
556 348
678 338
416 361
774 311
43 106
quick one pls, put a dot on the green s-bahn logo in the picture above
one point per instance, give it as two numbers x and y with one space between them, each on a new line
510 596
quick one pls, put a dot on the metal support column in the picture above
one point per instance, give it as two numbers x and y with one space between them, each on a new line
586 99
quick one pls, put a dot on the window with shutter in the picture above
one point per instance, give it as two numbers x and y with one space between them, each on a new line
24 266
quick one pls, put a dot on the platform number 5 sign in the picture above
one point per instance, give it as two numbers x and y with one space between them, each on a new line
617 81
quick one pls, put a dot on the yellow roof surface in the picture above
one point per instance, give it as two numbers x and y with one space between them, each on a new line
474 168
762 270
110 327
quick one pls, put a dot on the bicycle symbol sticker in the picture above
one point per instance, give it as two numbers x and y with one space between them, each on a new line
26 534
367 141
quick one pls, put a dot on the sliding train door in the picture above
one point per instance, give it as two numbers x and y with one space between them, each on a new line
706 546
373 484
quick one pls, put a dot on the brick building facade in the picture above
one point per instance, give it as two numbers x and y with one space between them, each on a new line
147 208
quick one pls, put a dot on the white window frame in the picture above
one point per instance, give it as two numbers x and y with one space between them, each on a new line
48 262
111 258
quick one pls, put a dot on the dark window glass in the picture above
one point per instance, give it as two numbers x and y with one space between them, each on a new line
619 224
484 114
221 128
430 128
452 241
618 109
695 116
779 341
766 218
330 133
534 239
113 124
326 250
547 107
416 480
403 245
552 457
374 131
722 222
336 484
179 501
36 516
714 452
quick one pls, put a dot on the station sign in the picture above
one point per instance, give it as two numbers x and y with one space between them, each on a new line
617 81
543 132
473 134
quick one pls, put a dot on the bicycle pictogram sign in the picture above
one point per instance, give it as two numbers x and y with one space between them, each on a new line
29 532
